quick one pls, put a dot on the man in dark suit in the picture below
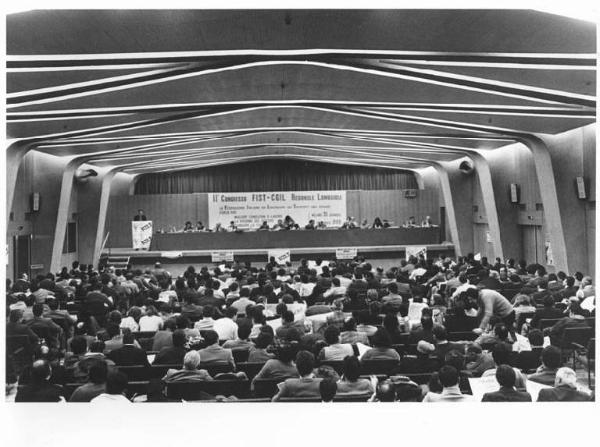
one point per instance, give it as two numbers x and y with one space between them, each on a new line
506 377
45 327
174 354
40 389
548 312
140 216
128 354
16 327
565 389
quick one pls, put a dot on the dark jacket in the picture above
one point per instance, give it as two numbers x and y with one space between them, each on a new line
170 356
39 392
563 394
128 355
505 394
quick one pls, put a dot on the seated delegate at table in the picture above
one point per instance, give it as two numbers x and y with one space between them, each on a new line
410 223
232 227
427 222
219 228
377 223
349 224
187 228
290 224
310 225
200 226
321 225
264 226
364 225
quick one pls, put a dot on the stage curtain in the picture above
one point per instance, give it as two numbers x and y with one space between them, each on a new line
275 175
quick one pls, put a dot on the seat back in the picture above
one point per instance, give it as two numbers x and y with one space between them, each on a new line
143 334
462 336
159 371
544 323
579 335
388 367
240 355
199 390
250 368
266 387
337 365
136 372
216 368
529 360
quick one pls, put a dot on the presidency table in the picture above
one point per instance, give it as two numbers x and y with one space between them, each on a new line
295 239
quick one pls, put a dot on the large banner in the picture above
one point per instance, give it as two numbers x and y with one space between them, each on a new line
141 234
250 209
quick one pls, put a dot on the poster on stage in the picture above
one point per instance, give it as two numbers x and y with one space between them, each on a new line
416 251
281 255
248 210
141 234
346 253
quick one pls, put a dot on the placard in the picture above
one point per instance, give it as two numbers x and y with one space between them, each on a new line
221 256
249 210
141 234
416 251
346 253
281 255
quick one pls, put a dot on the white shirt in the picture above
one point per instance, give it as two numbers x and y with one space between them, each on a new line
306 289
129 323
226 328
105 398
336 291
150 323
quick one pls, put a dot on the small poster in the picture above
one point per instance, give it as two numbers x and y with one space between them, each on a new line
221 256
141 234
281 255
548 250
346 253
488 236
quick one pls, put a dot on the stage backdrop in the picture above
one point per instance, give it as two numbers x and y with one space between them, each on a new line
250 209
172 210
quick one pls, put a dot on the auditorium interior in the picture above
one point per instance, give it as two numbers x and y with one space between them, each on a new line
471 134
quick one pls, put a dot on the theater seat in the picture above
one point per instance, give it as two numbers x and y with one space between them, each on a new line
388 367
266 387
250 368
203 390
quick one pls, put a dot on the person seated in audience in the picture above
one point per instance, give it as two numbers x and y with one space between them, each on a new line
78 349
351 335
44 327
214 354
172 355
337 317
478 361
218 228
40 389
423 361
335 291
151 322
280 367
442 345
449 378
258 353
425 332
164 337
392 325
382 348
15 327
128 354
95 385
575 319
328 389
351 383
207 322
226 327
335 350
565 389
132 321
393 301
242 341
188 227
507 379
189 372
116 384
489 279
548 312
501 354
551 362
569 290
305 386
288 330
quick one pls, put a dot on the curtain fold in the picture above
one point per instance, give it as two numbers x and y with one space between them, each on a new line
275 175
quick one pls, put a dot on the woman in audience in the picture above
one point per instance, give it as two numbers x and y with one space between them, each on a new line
392 325
382 347
351 383
259 353
151 322
132 320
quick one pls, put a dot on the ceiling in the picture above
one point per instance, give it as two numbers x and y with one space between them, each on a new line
160 91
